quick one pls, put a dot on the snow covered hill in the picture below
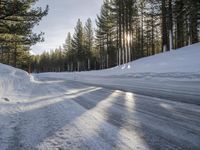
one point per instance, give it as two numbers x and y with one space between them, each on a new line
185 59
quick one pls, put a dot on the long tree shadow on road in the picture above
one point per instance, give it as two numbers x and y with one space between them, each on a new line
99 118
153 123
42 118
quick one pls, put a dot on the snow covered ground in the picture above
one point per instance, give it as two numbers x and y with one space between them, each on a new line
152 103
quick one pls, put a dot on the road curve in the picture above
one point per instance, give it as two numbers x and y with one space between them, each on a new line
67 115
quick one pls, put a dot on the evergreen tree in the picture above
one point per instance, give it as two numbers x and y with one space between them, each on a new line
78 46
106 36
17 19
89 41
68 43
68 52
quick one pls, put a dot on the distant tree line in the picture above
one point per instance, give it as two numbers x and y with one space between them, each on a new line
17 19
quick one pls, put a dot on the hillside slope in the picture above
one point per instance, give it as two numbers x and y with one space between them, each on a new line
185 59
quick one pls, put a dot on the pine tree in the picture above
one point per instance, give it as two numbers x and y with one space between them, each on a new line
104 34
78 46
89 41
68 53
17 19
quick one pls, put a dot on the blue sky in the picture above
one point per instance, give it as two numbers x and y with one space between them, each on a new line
62 18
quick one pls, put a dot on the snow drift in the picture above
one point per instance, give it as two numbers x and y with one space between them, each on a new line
12 80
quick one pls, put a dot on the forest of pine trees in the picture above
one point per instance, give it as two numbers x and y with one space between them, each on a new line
17 19
125 30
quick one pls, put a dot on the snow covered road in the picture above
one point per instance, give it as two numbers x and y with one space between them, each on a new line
67 115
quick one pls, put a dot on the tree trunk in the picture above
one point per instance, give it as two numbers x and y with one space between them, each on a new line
170 25
164 27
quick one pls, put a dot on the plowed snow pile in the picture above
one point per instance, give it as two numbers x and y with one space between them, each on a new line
12 80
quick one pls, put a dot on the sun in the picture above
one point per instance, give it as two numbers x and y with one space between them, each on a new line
128 38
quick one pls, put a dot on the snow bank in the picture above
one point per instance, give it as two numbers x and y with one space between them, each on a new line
185 59
12 80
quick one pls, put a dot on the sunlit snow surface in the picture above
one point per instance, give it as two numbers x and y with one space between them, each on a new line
151 103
